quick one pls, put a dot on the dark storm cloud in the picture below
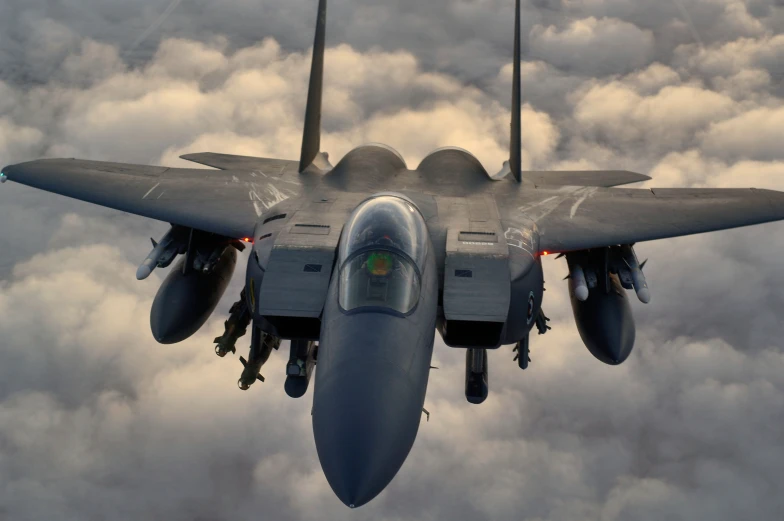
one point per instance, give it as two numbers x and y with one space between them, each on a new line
97 420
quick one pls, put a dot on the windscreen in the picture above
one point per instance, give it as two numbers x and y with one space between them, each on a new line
381 255
387 222
379 278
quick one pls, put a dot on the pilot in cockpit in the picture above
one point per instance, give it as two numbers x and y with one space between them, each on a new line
380 278
382 250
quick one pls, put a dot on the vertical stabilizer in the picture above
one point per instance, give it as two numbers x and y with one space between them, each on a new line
515 144
311 134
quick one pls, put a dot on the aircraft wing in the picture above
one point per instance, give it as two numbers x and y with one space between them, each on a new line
223 202
230 162
583 218
604 178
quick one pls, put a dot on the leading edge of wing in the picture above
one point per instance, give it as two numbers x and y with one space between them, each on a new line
597 217
223 202
604 178
244 163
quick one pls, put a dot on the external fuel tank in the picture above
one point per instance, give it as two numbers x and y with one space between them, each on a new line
185 301
605 322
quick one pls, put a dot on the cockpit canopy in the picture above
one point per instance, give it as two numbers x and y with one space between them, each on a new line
382 254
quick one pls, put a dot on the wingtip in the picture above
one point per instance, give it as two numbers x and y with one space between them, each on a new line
639 176
629 177
5 173
196 157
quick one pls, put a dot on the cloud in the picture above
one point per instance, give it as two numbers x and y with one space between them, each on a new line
755 135
97 420
618 115
692 168
17 141
593 46
258 94
116 413
735 57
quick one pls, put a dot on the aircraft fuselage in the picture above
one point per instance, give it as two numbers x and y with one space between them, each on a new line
371 275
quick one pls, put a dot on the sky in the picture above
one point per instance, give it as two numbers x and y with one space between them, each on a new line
99 421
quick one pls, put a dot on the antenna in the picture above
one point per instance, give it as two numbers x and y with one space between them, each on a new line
311 134
515 143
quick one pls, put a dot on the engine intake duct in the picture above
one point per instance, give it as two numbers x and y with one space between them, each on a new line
477 287
471 333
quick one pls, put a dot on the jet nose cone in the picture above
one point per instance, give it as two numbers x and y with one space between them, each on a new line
356 476
364 424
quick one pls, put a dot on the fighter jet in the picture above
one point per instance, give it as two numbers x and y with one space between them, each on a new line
369 258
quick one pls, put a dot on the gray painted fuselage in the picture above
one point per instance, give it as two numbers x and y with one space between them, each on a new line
373 365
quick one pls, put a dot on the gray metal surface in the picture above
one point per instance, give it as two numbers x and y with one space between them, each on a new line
311 135
605 323
568 217
223 202
476 276
573 218
185 302
605 178
370 387
300 265
515 139
265 165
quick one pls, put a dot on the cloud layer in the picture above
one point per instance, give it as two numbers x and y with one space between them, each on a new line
98 420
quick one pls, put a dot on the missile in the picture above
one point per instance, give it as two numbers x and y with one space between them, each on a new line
638 279
249 374
523 357
212 260
162 253
577 280
261 346
235 327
